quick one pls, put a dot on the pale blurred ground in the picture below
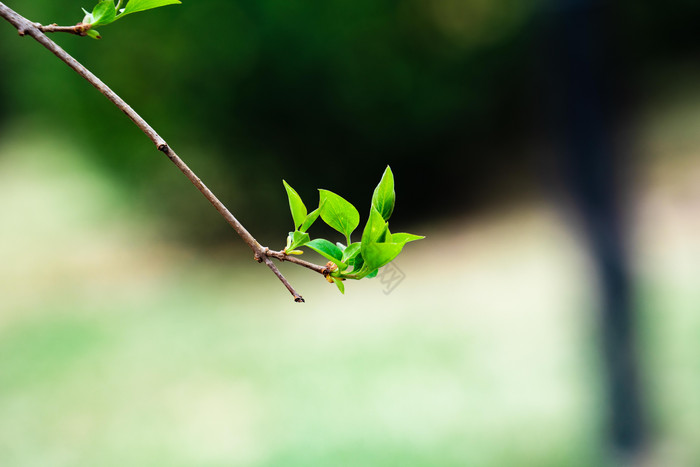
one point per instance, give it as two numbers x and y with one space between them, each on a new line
120 347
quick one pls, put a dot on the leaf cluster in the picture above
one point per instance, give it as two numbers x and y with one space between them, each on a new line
352 260
106 12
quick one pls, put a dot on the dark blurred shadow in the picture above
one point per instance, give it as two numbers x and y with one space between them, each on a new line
589 86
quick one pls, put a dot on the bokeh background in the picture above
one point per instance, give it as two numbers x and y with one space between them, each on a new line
136 330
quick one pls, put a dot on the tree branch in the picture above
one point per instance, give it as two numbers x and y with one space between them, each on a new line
79 29
262 254
282 256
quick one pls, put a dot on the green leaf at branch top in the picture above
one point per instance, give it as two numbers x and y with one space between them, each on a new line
135 6
377 255
356 262
375 229
352 256
296 205
297 239
404 238
326 249
338 213
103 13
310 219
87 19
384 197
351 251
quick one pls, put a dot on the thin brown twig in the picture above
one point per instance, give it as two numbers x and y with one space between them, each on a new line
79 29
266 259
262 254
282 256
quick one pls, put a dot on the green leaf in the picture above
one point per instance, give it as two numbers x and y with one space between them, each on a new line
87 19
135 6
353 257
356 262
384 198
103 13
339 283
351 251
372 274
375 229
339 213
377 255
359 271
296 205
326 249
94 34
297 239
310 219
404 238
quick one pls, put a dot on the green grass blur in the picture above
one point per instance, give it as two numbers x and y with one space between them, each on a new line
120 346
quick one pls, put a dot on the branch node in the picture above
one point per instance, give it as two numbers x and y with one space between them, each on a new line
163 147
81 28
262 254
330 267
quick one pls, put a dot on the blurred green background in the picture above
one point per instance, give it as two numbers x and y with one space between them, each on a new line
136 330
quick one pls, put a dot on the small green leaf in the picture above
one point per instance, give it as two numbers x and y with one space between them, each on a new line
87 19
404 238
375 229
103 13
310 219
372 274
94 34
351 251
339 283
356 262
384 198
296 205
297 239
377 255
326 249
352 256
339 213
135 6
